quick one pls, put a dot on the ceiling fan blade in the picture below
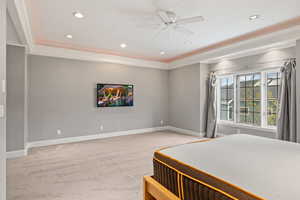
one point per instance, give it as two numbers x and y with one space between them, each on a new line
183 30
189 20
160 31
149 26
163 16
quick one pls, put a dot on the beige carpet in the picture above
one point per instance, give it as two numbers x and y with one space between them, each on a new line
106 169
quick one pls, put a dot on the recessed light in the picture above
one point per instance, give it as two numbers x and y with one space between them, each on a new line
254 17
123 45
69 36
78 15
162 53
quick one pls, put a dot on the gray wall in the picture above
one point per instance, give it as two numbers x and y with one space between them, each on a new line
62 96
15 123
2 100
204 77
184 97
246 63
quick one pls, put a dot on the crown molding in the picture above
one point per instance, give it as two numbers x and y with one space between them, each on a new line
89 56
277 40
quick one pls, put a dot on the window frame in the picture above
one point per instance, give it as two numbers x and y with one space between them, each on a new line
263 97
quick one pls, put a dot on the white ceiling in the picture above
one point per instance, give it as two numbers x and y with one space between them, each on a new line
109 23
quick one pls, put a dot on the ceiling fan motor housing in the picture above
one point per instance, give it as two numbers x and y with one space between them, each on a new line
172 16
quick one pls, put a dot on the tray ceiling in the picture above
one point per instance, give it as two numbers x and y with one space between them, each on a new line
108 24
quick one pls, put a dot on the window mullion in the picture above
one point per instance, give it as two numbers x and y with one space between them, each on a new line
236 99
264 100
218 100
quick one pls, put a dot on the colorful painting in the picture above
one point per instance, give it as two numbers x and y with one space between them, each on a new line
113 95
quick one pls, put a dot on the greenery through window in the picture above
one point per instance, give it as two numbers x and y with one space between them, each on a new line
255 95
227 98
250 101
273 82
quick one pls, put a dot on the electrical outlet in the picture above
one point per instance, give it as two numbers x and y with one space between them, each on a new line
101 127
58 131
161 122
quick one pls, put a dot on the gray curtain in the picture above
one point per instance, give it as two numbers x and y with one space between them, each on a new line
211 122
287 111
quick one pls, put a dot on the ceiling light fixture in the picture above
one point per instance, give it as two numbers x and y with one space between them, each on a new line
254 17
78 15
69 36
123 45
162 53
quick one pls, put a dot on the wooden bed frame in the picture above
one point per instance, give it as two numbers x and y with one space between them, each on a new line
153 190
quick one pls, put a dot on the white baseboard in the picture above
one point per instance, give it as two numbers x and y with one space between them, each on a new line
92 137
16 154
185 131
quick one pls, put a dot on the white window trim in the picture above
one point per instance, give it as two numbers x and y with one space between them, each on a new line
263 127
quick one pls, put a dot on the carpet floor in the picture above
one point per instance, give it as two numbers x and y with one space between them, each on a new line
106 169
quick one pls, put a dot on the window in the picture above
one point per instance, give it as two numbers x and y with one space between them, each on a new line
227 99
249 99
273 82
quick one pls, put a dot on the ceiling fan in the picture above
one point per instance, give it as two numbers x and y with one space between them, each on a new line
169 21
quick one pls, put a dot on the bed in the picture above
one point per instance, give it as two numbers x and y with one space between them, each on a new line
234 167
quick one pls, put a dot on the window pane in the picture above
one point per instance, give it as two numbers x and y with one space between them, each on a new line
230 83
242 80
224 115
242 93
256 106
273 84
249 118
223 83
272 78
224 106
257 93
272 106
253 106
242 118
249 80
223 94
272 92
230 94
242 104
249 93
226 98
256 81
250 99
272 119
257 119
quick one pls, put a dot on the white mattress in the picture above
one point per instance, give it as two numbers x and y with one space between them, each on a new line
265 167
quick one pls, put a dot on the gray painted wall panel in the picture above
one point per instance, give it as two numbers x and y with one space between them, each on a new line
184 97
2 100
15 98
204 77
62 96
